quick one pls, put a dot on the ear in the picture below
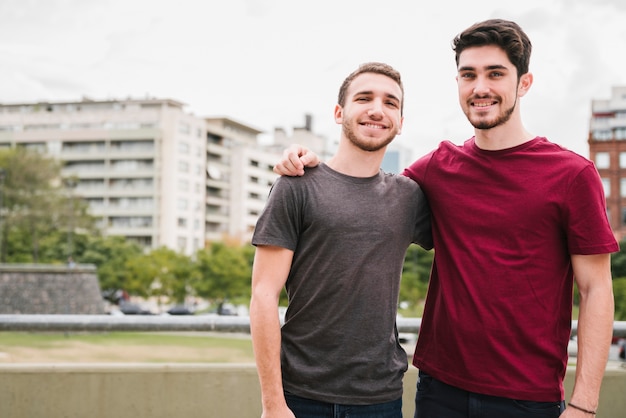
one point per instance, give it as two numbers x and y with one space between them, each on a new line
524 84
338 114
400 126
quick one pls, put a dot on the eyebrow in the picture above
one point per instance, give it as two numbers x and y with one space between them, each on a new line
488 68
370 92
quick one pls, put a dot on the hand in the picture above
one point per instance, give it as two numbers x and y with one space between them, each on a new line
283 412
295 158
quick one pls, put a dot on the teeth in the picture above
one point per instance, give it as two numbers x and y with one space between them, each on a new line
373 126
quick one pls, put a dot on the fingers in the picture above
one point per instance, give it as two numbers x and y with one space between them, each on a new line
290 164
295 158
310 159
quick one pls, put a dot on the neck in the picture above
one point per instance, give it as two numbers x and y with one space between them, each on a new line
353 161
509 135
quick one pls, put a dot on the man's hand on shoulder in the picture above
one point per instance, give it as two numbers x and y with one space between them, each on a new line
295 158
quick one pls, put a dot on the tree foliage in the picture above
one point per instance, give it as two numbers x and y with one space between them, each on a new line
224 272
162 273
415 274
35 206
111 256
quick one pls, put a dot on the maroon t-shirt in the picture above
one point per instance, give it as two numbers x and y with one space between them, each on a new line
499 307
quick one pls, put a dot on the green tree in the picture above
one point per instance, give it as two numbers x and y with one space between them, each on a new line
415 275
35 204
110 255
161 273
618 262
224 272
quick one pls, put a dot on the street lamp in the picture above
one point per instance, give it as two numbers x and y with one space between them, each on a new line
3 176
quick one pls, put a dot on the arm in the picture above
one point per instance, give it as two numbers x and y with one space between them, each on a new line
295 158
595 328
269 274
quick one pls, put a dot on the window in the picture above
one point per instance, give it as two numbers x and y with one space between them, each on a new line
131 165
603 160
130 221
182 222
184 128
602 135
182 243
183 148
622 187
183 185
622 160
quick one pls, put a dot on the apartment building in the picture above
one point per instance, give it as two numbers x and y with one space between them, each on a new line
151 171
607 148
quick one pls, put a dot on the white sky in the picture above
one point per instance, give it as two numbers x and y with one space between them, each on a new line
268 62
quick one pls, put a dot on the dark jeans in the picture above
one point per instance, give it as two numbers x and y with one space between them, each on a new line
307 408
435 399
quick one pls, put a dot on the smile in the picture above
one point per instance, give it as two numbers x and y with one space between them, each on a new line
372 126
483 104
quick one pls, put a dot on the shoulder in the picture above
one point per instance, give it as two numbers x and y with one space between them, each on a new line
399 181
561 154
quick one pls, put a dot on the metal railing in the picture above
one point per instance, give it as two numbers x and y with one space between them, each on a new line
154 323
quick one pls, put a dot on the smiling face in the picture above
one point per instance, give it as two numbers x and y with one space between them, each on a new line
488 86
371 116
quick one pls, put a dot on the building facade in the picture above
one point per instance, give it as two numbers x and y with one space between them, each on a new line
151 171
607 149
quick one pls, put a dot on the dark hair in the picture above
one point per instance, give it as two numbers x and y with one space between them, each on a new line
503 33
371 67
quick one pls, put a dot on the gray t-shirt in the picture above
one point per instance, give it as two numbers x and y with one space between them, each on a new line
349 236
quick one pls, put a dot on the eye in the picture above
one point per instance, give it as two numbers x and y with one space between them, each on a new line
468 76
497 74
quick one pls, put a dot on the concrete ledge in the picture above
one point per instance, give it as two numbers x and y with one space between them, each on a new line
176 390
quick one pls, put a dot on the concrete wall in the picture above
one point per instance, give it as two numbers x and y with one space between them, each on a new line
180 390
48 289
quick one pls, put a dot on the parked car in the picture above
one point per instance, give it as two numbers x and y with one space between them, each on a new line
180 310
128 308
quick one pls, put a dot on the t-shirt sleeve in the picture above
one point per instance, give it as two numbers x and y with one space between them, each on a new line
278 224
423 233
588 228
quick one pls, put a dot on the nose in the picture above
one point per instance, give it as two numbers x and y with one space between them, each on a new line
376 109
481 86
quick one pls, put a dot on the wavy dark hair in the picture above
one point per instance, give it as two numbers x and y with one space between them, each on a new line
503 33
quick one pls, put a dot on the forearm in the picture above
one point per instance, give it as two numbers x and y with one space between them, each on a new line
595 328
265 331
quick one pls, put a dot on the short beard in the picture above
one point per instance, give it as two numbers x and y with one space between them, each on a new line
365 146
500 120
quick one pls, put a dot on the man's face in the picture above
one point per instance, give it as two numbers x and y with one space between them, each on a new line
488 86
371 115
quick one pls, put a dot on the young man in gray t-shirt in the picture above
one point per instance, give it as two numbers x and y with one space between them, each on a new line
336 239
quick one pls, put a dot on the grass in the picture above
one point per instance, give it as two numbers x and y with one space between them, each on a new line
23 347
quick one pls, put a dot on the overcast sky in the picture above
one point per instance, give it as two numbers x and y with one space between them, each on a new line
269 62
